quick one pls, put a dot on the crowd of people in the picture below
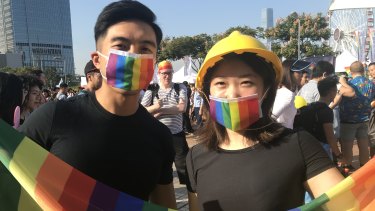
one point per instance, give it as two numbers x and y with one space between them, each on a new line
253 150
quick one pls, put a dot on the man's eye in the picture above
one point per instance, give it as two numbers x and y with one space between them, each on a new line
220 83
146 51
121 47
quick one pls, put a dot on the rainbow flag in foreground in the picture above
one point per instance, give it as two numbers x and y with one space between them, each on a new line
47 183
356 192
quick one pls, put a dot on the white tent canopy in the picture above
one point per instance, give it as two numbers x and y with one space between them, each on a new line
183 71
351 4
179 76
343 61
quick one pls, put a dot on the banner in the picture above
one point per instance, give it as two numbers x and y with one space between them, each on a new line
33 179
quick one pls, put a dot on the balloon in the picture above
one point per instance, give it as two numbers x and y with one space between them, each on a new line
299 102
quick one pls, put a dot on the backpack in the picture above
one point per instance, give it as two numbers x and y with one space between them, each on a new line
307 118
155 90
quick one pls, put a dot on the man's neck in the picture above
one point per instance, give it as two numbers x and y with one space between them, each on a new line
325 100
116 102
356 75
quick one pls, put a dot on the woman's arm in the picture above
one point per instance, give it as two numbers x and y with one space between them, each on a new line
193 201
324 181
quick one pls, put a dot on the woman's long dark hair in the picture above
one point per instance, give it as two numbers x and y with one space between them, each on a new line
10 96
265 129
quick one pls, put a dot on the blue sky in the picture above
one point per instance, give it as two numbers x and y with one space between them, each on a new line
190 17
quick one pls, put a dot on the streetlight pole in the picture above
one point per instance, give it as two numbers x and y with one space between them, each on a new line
298 39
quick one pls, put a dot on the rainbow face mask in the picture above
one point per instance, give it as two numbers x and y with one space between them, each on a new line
128 71
236 113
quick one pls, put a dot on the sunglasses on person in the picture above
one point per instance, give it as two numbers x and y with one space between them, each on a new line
166 73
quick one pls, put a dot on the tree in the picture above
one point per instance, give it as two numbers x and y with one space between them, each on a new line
314 33
177 48
52 76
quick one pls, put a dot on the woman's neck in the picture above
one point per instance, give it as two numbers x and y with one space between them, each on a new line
236 141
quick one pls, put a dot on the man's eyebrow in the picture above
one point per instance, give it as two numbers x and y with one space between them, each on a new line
123 39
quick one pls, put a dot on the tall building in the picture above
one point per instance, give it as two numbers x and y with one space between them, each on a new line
267 18
39 30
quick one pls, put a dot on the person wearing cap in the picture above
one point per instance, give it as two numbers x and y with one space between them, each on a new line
63 92
305 78
118 144
93 78
246 160
310 90
167 104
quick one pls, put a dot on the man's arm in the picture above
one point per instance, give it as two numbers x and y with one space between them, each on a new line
331 139
179 108
346 90
163 195
146 102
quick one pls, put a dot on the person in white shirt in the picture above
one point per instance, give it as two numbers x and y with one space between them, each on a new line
283 109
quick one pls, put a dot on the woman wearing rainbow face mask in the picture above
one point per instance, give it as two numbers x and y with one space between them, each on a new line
246 160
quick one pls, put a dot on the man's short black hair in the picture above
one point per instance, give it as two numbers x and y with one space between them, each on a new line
63 85
323 67
372 63
122 11
326 85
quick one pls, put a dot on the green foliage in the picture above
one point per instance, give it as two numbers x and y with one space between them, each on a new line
197 46
314 32
52 76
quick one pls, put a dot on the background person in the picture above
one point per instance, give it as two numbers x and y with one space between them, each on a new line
93 78
283 109
354 116
167 103
310 90
371 129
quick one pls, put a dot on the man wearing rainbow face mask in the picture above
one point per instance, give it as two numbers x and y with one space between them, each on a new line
111 145
246 160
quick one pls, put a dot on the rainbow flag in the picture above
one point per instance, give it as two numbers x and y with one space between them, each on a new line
356 192
38 180
129 71
228 112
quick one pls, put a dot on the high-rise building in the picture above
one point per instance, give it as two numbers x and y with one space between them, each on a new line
267 18
39 30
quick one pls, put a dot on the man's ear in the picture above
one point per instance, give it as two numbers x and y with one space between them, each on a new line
95 59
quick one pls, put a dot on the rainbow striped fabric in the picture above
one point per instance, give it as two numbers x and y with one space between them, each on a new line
356 192
129 71
235 114
48 183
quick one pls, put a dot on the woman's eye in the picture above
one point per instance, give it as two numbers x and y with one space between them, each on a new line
247 83
220 83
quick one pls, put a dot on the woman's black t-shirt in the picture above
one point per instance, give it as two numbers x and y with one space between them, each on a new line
262 177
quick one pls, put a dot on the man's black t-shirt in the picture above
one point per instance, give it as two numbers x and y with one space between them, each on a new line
262 177
129 153
324 115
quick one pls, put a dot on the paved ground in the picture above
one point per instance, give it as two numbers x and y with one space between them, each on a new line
181 192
